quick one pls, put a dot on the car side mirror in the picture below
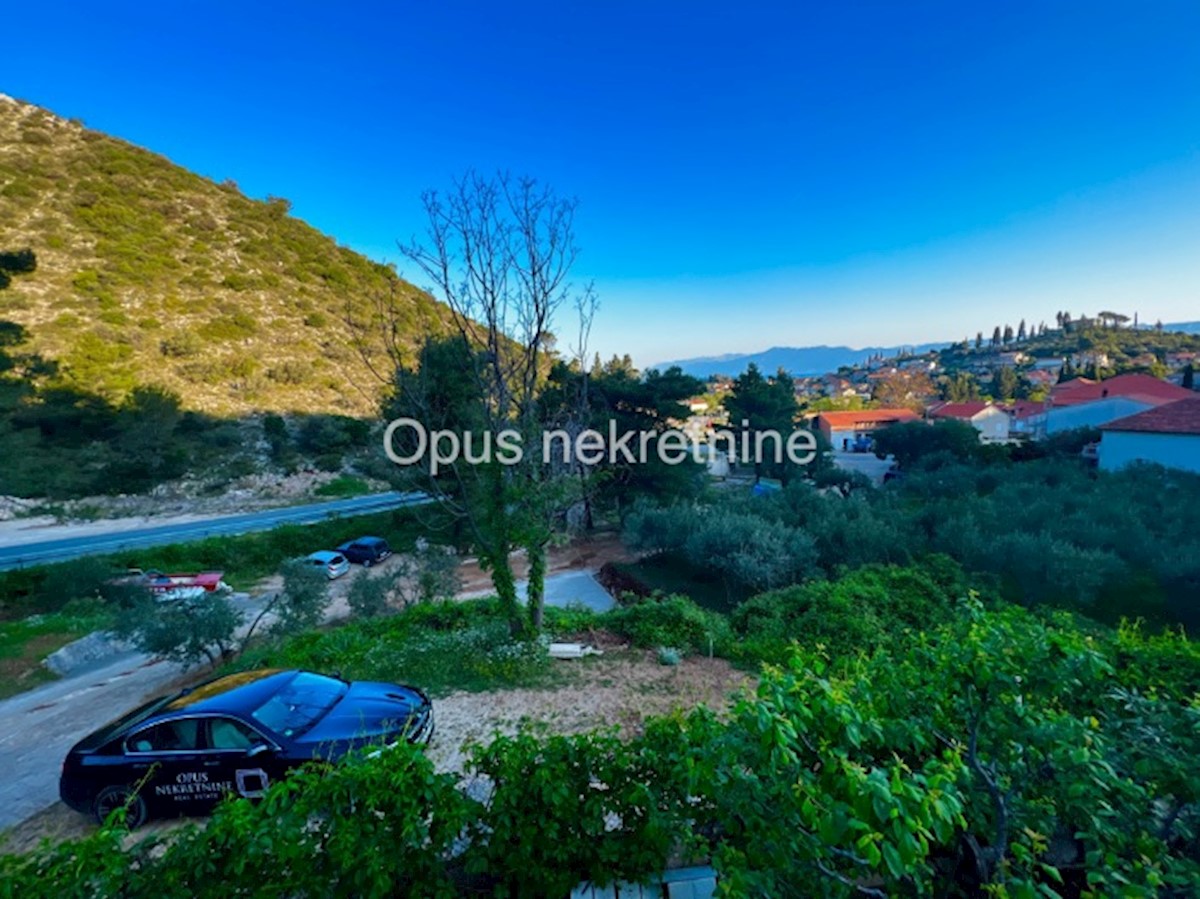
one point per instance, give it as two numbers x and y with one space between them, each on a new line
257 749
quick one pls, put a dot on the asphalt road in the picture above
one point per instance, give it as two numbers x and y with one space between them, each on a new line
64 549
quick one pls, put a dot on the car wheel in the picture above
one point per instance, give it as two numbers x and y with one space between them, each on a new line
366 563
113 798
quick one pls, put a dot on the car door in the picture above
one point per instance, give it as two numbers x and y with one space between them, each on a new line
241 757
168 759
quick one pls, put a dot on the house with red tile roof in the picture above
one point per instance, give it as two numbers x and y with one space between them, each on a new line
1083 403
1040 377
991 421
844 429
1167 434
1143 387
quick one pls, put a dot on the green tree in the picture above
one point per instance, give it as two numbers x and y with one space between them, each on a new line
186 630
961 388
18 262
147 444
1005 383
299 605
764 406
498 251
1189 377
628 402
910 442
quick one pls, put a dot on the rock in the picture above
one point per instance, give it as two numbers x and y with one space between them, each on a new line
85 652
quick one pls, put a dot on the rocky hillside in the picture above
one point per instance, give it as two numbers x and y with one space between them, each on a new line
148 274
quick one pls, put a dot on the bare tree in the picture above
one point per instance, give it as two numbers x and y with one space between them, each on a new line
498 251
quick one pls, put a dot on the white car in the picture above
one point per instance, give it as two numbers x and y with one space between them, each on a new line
334 564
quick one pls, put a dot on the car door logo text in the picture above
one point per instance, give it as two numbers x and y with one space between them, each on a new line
194 785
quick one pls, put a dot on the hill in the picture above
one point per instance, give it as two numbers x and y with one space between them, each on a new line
798 361
150 275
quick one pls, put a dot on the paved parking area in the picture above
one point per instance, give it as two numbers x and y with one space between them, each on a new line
866 464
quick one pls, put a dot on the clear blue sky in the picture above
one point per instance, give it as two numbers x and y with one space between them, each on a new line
749 174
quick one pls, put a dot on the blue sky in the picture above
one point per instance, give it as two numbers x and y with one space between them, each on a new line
749 175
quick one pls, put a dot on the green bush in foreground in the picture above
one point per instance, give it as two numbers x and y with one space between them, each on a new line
673 621
1003 754
865 609
440 647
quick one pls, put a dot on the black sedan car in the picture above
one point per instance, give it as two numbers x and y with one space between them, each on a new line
234 735
366 551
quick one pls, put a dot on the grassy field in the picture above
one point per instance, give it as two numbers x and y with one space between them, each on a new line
441 646
25 643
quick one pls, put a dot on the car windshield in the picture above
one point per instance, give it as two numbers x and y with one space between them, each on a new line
300 704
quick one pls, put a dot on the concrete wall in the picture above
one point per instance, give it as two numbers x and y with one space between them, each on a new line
837 436
992 424
1091 415
1120 448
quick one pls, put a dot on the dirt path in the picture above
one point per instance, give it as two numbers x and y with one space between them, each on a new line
584 554
622 688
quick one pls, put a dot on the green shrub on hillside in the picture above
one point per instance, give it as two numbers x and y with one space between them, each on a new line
673 621
865 609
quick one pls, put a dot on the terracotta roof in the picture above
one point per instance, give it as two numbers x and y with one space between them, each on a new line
867 416
1179 417
957 410
1145 388
1022 409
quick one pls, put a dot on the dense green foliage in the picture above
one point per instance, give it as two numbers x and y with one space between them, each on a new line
615 395
442 647
760 406
746 551
868 608
1000 753
1045 531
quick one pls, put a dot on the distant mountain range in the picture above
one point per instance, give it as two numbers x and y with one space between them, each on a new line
798 361
818 360
1185 327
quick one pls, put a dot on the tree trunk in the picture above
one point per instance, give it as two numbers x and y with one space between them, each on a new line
536 591
506 587
589 523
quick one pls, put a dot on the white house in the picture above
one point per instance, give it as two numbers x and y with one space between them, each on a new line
992 422
1167 435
